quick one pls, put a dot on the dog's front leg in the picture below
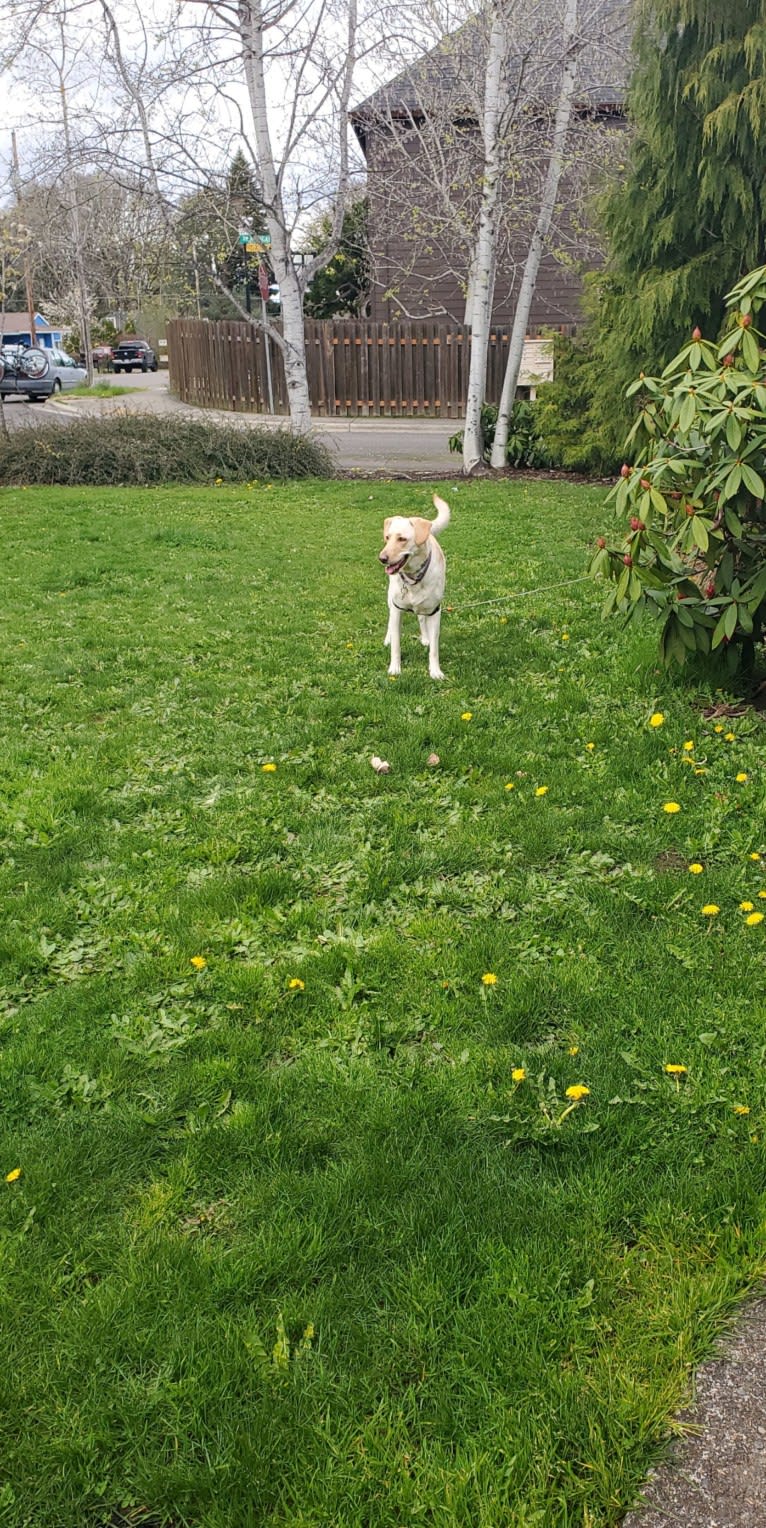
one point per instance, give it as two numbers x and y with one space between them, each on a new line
433 624
394 638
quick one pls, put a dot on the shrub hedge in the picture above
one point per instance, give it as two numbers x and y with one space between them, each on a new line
143 449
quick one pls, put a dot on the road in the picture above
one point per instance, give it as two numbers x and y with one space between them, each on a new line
403 447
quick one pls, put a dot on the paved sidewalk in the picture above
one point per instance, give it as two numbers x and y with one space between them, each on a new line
716 1477
403 447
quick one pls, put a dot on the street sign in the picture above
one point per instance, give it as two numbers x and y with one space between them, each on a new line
254 242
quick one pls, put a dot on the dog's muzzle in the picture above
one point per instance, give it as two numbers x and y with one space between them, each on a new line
393 567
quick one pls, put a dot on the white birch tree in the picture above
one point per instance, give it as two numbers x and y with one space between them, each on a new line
474 130
571 48
482 281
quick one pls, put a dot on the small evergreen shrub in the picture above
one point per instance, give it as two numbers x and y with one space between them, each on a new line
143 449
525 445
692 497
572 434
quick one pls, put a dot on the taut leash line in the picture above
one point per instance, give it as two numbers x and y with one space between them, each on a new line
523 594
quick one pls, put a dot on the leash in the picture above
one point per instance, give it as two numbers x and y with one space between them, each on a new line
523 594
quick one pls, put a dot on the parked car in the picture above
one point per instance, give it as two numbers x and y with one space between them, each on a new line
66 371
133 354
25 373
102 357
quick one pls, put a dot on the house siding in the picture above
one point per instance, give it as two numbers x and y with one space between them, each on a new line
418 275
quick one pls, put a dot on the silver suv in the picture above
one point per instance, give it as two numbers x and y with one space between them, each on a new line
25 372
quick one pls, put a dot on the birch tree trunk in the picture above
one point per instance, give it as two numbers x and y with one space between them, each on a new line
251 22
73 208
484 263
570 50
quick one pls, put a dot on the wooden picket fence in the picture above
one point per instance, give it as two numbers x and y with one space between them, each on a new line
414 370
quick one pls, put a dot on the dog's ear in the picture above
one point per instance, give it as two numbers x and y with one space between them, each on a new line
422 529
386 524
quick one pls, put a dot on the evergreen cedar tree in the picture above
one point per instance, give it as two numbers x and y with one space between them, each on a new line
689 217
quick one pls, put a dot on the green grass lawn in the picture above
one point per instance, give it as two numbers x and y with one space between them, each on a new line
97 389
289 1244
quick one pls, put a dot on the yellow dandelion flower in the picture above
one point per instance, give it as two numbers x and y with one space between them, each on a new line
755 855
729 737
656 719
565 636
741 1109
518 1074
718 728
510 786
198 962
590 747
688 747
671 807
296 985
577 1092
762 893
269 769
466 716
754 918
741 777
696 868
542 790
710 910
13 1175
700 771
574 1050
746 907
218 482
489 979
674 1070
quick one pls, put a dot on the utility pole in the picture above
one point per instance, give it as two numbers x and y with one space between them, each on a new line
16 176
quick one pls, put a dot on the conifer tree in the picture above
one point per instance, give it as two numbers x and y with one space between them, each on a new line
689 218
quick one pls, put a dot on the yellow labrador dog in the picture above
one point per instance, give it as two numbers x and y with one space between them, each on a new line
416 568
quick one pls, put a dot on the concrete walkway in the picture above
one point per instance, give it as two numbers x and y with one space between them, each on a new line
404 447
716 1477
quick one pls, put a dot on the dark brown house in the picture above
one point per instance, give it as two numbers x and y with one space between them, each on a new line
420 135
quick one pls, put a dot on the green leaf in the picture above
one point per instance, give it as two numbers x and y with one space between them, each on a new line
687 415
733 522
733 431
730 343
756 591
699 533
730 617
753 481
719 632
751 353
733 481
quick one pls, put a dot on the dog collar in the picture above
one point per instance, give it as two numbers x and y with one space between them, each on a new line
420 575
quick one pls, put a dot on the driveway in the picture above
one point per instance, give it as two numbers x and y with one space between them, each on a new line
404 447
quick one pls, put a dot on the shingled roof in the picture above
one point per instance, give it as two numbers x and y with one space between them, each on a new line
607 25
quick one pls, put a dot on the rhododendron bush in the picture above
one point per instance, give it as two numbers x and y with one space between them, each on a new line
691 497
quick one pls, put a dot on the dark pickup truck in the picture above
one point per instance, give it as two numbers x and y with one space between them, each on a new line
133 355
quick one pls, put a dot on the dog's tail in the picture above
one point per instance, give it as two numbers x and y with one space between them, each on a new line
442 516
